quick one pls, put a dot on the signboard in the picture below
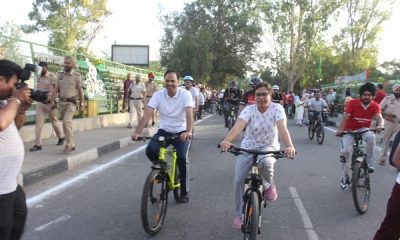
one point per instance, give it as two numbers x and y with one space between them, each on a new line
131 54
358 77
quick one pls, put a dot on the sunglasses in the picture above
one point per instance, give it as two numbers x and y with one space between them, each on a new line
264 94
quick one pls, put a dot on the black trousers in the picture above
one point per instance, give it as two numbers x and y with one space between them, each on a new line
13 211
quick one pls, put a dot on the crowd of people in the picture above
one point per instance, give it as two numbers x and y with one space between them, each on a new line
262 116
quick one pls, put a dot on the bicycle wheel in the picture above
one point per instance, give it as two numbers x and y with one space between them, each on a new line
360 186
177 191
231 122
154 202
320 134
310 131
251 216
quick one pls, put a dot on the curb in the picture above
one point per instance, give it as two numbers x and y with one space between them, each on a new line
77 160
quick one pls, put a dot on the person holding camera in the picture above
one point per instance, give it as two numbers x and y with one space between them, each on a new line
13 104
69 89
47 82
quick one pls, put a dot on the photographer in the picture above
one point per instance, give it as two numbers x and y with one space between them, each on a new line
13 104
47 82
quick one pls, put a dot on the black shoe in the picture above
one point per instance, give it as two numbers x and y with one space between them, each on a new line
153 123
60 141
35 148
184 198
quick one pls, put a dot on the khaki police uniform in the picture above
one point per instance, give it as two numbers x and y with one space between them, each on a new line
136 101
151 88
390 105
69 86
47 83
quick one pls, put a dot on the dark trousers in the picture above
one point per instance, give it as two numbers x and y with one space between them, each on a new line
200 112
13 213
152 152
390 227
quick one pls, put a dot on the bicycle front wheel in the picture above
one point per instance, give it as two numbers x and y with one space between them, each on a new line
154 202
320 134
251 216
360 187
231 122
311 131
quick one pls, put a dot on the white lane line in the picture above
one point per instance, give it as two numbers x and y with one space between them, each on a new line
334 131
199 121
61 187
312 235
55 221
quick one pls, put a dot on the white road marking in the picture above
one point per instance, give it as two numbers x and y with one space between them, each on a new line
32 201
61 187
58 220
312 235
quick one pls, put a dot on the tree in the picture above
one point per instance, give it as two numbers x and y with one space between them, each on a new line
357 41
71 23
295 26
212 40
10 33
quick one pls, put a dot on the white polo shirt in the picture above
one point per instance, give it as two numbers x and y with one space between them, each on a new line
172 109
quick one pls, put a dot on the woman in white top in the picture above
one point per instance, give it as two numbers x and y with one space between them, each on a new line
263 122
299 110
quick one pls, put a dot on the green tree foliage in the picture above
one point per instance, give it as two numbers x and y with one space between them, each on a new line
357 41
72 24
212 40
9 35
295 26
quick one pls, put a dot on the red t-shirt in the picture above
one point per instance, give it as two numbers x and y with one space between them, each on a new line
379 96
290 99
360 116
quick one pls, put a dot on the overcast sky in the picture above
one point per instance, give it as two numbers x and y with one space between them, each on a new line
136 22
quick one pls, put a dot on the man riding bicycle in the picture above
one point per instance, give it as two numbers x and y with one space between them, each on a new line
358 117
263 121
276 96
188 81
175 107
232 96
249 97
315 107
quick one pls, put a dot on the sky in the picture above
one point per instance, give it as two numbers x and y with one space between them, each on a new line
136 22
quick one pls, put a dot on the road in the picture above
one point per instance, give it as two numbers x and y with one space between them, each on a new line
102 201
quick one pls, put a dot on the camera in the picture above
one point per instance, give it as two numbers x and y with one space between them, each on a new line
36 95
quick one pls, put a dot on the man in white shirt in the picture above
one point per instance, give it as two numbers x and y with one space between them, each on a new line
137 92
175 107
315 106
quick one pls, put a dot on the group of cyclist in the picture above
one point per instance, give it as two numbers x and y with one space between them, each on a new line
262 118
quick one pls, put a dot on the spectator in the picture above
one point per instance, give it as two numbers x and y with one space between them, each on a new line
127 84
380 94
13 104
137 92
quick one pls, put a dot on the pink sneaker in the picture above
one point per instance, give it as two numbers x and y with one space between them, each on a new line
237 222
271 194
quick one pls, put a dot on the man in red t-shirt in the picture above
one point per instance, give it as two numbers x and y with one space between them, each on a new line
380 94
358 116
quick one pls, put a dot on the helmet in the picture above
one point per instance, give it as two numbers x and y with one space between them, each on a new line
275 87
188 78
255 81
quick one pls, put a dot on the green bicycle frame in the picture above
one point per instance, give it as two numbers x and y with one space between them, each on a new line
172 169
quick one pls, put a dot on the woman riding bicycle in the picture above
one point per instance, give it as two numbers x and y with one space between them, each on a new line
263 121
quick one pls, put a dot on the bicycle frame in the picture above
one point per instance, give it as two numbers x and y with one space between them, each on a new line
171 170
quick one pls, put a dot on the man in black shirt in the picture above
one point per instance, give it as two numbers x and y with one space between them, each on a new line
276 96
232 96
249 97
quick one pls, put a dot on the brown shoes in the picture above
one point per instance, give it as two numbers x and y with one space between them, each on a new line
68 149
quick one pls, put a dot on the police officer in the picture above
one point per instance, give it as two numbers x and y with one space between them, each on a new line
137 93
151 88
69 89
47 82
391 112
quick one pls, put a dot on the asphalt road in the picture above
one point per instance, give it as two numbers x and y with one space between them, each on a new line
102 201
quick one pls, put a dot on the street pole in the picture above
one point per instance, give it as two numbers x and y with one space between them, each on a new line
320 72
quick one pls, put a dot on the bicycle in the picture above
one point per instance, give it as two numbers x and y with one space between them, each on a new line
163 177
317 127
232 117
360 183
253 197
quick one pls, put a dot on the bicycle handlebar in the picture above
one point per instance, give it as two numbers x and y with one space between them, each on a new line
160 138
355 133
238 151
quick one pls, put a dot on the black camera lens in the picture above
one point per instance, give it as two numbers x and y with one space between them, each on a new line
39 95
